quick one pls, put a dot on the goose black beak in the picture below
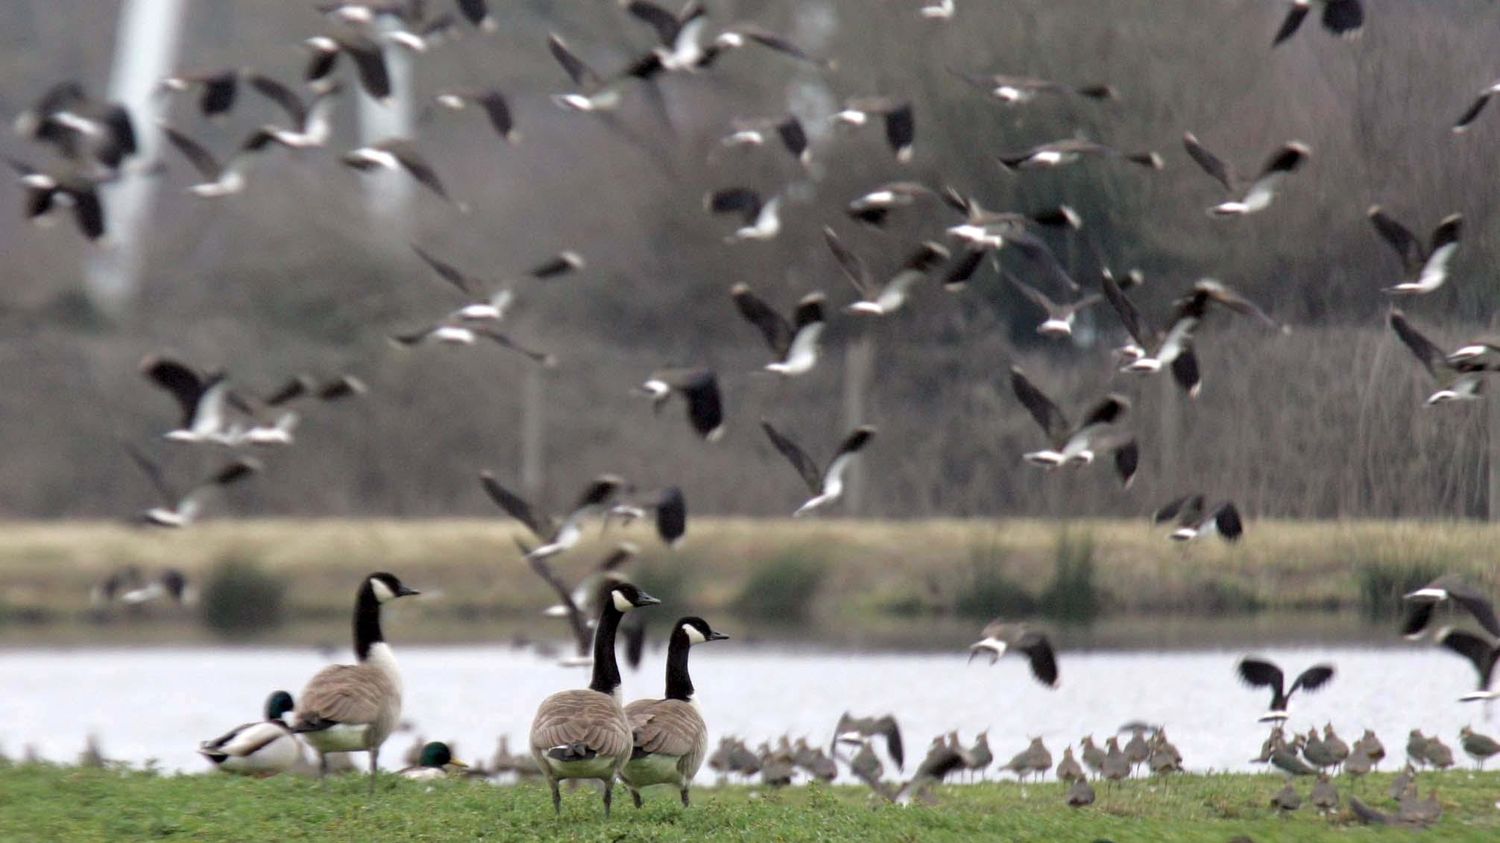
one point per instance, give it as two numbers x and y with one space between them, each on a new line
644 599
717 636
406 591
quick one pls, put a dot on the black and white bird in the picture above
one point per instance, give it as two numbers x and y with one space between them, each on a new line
556 534
1060 317
594 93
825 483
1450 590
1000 638
220 178
1151 350
898 117
1194 520
303 387
1472 113
489 100
202 399
1070 445
883 299
761 217
1424 269
218 90
367 55
171 584
179 508
795 342
95 135
1482 653
874 207
788 131
449 333
487 306
1340 17
399 154
938 10
669 508
984 230
699 389
851 729
681 34
1021 89
308 126
580 605
1068 151
1460 380
1257 195
263 748
46 193
1261 673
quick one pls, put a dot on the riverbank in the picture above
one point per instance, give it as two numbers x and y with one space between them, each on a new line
864 580
44 802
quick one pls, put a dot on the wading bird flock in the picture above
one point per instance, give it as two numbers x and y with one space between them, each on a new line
588 733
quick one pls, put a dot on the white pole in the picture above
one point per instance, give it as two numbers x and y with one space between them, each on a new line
389 192
145 50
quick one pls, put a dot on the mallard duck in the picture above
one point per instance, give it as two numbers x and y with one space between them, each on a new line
435 762
264 748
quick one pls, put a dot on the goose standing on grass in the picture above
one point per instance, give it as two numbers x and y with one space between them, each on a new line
1460 381
584 734
435 762
1257 195
1079 445
354 708
670 736
1000 637
699 389
179 509
1195 521
1424 269
1340 17
794 343
1482 653
761 218
1261 673
258 749
556 535
883 299
1450 590
1472 112
826 484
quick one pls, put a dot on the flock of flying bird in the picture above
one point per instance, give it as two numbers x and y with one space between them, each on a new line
587 733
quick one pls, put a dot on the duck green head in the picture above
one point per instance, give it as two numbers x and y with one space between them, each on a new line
278 704
437 754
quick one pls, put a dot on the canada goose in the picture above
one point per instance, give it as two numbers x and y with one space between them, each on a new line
222 178
1020 89
1287 799
1070 445
670 736
897 115
435 762
851 729
489 100
1340 17
1471 114
354 708
264 748
1450 589
594 93
180 508
218 90
1260 673
794 343
171 584
1481 652
368 58
761 218
47 192
883 299
448 333
556 535
1059 321
827 483
1461 381
399 154
669 507
699 389
1424 268
1194 520
309 126
1000 637
1069 150
1257 195
1479 747
584 734
755 132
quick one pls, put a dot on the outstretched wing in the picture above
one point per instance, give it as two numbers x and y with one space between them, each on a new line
796 456
1429 354
1313 678
446 271
1400 238
853 268
1046 413
772 325
1210 162
513 505
1259 673
1130 317
1292 22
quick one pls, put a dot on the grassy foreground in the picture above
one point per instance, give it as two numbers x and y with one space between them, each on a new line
45 803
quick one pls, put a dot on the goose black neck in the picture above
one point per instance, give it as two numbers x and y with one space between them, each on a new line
366 621
679 683
606 671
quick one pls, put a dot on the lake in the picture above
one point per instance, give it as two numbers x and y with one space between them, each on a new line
157 703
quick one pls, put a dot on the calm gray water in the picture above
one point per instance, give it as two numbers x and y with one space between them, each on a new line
157 703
